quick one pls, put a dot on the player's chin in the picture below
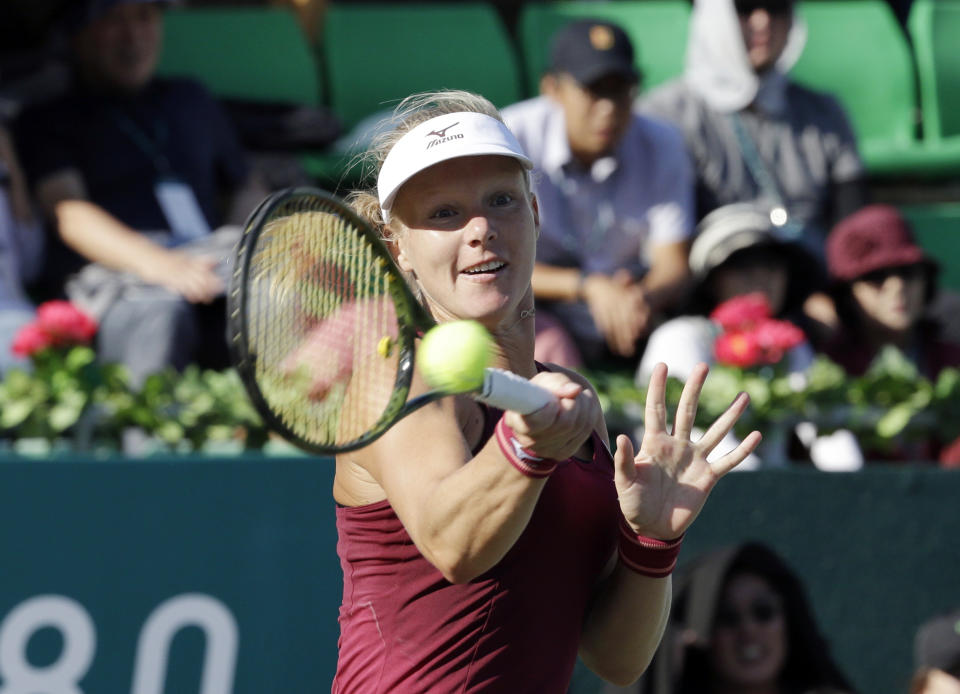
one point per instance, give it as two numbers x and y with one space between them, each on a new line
490 309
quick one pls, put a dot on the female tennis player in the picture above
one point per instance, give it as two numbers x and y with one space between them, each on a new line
482 551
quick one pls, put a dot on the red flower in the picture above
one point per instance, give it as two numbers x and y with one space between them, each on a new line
64 323
775 338
29 340
737 349
742 312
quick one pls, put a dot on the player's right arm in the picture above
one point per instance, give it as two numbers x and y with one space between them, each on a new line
465 512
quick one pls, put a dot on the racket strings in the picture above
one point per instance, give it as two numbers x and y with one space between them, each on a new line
323 325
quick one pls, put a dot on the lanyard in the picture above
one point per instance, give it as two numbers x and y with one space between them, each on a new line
768 184
152 147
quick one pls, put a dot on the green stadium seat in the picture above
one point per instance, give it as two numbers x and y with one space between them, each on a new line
249 53
857 51
658 29
376 54
937 228
934 27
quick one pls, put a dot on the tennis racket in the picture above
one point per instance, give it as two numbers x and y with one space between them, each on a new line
322 327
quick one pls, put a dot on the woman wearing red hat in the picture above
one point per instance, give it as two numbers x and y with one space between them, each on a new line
883 283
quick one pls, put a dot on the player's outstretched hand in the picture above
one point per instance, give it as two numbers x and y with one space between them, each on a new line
662 489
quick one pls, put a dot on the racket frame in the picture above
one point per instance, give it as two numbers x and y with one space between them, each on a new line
412 321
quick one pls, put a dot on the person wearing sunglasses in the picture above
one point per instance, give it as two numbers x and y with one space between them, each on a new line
883 285
883 282
742 622
754 135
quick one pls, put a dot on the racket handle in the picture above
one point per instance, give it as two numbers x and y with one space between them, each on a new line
507 391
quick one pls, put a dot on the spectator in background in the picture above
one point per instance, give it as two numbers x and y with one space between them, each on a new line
741 622
738 251
615 192
937 656
752 132
21 248
134 171
882 285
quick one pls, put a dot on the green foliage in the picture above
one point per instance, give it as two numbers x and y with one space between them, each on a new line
891 402
69 395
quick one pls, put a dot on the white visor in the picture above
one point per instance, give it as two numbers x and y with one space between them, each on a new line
445 137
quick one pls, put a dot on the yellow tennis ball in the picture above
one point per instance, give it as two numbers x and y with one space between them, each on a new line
452 356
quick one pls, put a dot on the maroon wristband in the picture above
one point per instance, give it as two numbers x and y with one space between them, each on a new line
646 556
525 461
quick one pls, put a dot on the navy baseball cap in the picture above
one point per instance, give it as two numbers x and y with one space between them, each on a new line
590 49
87 12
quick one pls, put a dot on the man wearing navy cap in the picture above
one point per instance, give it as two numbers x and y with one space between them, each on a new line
134 172
616 194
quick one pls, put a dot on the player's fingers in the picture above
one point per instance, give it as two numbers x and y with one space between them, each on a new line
727 462
623 465
689 398
578 416
723 424
655 409
558 383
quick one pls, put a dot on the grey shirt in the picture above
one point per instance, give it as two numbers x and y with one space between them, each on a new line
807 146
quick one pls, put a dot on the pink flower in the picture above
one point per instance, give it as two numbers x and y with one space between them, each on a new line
29 340
65 324
737 349
742 312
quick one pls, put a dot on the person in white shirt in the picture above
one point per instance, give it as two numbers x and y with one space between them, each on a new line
616 198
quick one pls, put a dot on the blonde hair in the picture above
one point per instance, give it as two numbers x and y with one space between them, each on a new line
408 114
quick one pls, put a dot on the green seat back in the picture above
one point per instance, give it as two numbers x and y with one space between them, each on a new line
935 29
857 51
251 53
937 228
657 28
377 54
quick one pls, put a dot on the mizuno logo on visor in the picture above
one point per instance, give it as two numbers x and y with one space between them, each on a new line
442 136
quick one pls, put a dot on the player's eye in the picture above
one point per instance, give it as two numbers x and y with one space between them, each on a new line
502 199
442 213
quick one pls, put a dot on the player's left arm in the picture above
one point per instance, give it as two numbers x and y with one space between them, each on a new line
660 492
625 623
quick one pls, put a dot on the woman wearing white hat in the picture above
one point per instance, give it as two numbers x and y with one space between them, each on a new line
484 550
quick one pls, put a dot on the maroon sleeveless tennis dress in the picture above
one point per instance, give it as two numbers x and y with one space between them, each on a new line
515 629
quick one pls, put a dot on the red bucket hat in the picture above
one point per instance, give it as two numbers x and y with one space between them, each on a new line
875 237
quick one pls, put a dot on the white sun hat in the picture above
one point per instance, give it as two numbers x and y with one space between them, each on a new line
452 135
